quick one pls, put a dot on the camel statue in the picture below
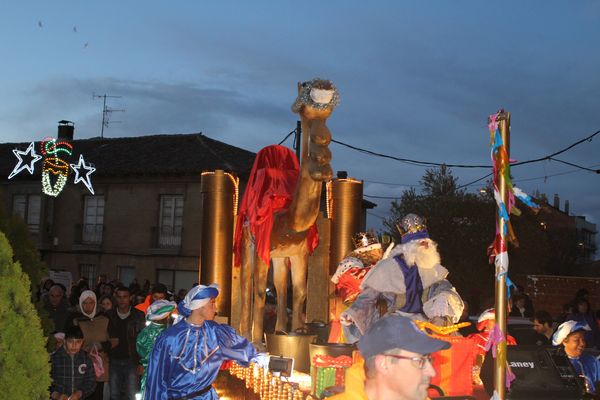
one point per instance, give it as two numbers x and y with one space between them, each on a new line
278 213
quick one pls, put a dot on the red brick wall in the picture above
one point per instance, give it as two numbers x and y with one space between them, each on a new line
551 292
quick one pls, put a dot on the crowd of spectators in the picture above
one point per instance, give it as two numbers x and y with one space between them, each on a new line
109 316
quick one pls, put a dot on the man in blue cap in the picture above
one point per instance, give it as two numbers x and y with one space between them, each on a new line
397 362
186 357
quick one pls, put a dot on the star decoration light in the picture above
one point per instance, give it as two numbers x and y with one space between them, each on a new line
20 165
79 177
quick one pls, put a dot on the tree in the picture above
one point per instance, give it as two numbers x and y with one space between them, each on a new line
28 256
463 224
23 357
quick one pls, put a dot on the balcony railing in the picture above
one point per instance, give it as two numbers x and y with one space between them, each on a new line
91 233
167 237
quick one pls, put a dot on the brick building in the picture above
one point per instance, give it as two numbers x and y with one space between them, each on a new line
144 220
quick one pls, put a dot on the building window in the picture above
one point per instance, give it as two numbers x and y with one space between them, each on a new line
170 221
177 279
88 271
126 274
29 207
93 220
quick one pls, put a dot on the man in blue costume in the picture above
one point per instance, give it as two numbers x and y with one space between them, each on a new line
571 335
186 357
410 281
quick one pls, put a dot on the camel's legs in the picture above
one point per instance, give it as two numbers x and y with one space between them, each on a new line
280 279
260 291
299 265
247 265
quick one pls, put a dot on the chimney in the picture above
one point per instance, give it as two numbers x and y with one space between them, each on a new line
567 207
66 130
556 201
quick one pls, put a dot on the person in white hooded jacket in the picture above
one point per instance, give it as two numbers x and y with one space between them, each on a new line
97 334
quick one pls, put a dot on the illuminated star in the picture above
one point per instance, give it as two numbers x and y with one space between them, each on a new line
20 165
89 171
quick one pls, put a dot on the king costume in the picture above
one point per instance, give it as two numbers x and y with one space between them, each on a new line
410 280
186 357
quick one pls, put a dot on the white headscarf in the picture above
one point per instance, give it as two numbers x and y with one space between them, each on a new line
197 297
88 294
566 328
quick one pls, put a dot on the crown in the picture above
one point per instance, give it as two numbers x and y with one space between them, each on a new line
412 227
364 239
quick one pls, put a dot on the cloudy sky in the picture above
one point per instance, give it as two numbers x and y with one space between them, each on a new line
417 80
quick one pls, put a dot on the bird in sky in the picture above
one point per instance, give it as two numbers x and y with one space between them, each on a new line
40 24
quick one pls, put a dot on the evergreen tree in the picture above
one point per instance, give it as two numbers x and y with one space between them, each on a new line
28 256
23 357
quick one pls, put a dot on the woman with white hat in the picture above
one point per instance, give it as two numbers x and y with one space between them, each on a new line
571 335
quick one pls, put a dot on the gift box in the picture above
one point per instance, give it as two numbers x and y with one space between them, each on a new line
454 366
327 371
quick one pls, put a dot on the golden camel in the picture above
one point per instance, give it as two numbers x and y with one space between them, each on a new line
290 225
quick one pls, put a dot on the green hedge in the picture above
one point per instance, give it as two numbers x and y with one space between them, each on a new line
24 366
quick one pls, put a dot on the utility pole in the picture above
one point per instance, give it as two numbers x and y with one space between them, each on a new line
298 139
106 111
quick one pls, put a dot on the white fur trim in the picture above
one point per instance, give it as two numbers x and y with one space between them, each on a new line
374 246
345 265
487 314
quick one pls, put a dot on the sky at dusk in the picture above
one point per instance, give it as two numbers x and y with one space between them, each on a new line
417 80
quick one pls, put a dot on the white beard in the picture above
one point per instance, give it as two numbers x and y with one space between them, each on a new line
426 258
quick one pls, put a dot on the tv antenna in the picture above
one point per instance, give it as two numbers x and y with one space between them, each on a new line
106 111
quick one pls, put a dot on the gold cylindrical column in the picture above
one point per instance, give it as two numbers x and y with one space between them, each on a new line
219 206
344 207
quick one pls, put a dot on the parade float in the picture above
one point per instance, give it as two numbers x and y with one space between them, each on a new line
280 223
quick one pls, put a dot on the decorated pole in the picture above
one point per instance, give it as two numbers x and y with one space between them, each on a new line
501 267
505 195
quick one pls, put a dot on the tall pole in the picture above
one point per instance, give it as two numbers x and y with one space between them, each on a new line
500 307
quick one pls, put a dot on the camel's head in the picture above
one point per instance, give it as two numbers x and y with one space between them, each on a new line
316 99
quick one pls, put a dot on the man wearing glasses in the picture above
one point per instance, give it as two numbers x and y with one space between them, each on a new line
397 362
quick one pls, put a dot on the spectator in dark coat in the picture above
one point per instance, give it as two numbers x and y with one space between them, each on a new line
57 306
125 369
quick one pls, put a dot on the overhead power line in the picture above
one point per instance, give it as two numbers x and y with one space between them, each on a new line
286 137
438 164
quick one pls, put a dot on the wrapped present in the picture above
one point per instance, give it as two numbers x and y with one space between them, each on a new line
454 366
327 371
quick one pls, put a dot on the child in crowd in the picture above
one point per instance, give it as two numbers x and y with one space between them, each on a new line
72 369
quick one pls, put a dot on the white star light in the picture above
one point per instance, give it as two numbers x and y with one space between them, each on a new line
20 166
89 171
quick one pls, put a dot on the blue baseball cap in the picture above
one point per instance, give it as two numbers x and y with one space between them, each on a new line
398 332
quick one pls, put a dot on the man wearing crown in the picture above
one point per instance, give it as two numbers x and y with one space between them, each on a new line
410 280
347 279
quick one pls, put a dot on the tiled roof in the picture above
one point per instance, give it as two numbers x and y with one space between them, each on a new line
146 155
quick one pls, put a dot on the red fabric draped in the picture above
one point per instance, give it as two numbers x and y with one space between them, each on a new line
270 189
